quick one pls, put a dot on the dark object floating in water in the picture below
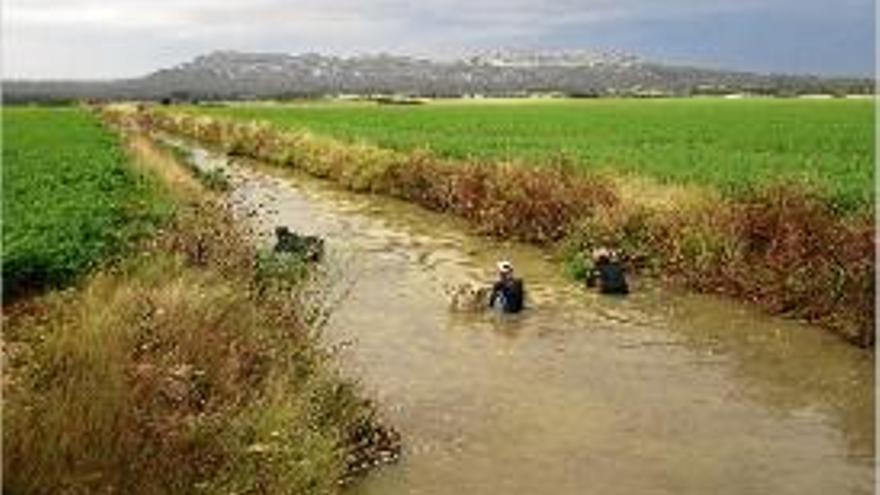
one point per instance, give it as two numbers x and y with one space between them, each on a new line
309 247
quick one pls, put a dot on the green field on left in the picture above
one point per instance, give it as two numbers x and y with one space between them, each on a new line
69 198
169 363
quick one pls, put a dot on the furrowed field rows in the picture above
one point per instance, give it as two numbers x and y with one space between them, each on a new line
727 144
68 198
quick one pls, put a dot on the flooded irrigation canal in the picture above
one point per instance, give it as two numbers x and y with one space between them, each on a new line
652 394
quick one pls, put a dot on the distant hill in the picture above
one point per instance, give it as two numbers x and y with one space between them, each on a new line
235 75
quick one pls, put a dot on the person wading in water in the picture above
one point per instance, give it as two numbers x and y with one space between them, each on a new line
607 273
308 247
507 293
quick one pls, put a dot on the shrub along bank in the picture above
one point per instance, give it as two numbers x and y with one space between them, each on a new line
781 246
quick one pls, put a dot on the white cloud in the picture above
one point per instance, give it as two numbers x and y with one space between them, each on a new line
274 14
129 37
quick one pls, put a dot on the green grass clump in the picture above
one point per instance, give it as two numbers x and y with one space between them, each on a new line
68 198
730 144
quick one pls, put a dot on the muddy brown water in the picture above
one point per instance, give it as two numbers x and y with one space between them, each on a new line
659 392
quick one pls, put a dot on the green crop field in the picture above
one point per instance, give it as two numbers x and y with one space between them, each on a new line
68 196
723 143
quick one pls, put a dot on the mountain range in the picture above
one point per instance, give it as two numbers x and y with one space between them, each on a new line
230 75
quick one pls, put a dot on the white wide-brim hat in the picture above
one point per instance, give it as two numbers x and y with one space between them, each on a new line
601 252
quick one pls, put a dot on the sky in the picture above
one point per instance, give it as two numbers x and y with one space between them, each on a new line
102 39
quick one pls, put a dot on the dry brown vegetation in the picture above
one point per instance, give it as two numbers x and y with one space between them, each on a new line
779 246
177 369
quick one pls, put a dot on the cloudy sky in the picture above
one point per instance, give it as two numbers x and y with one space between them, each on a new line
87 39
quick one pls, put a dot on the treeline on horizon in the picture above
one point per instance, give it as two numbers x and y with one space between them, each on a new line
391 97
221 81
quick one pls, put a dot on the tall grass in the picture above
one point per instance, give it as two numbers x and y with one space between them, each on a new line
726 144
170 372
532 204
780 247
784 247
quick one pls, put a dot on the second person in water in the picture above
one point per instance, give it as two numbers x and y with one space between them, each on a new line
607 273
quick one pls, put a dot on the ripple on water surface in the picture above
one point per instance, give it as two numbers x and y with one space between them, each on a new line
655 393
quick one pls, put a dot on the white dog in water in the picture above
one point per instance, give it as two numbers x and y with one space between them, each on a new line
468 297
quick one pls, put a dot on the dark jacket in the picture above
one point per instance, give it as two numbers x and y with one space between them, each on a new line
509 294
610 278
